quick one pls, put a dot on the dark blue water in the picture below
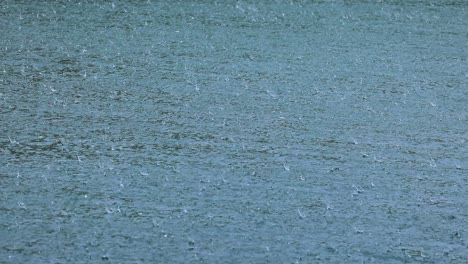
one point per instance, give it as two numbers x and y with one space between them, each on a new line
233 131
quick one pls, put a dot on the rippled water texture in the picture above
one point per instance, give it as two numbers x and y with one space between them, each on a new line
233 131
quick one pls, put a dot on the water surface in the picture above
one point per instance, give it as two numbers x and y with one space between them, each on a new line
238 131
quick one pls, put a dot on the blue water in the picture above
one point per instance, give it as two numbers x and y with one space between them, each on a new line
233 132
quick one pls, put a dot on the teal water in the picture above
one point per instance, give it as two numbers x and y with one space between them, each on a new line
237 132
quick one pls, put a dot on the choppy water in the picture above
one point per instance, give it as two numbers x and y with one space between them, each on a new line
233 131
